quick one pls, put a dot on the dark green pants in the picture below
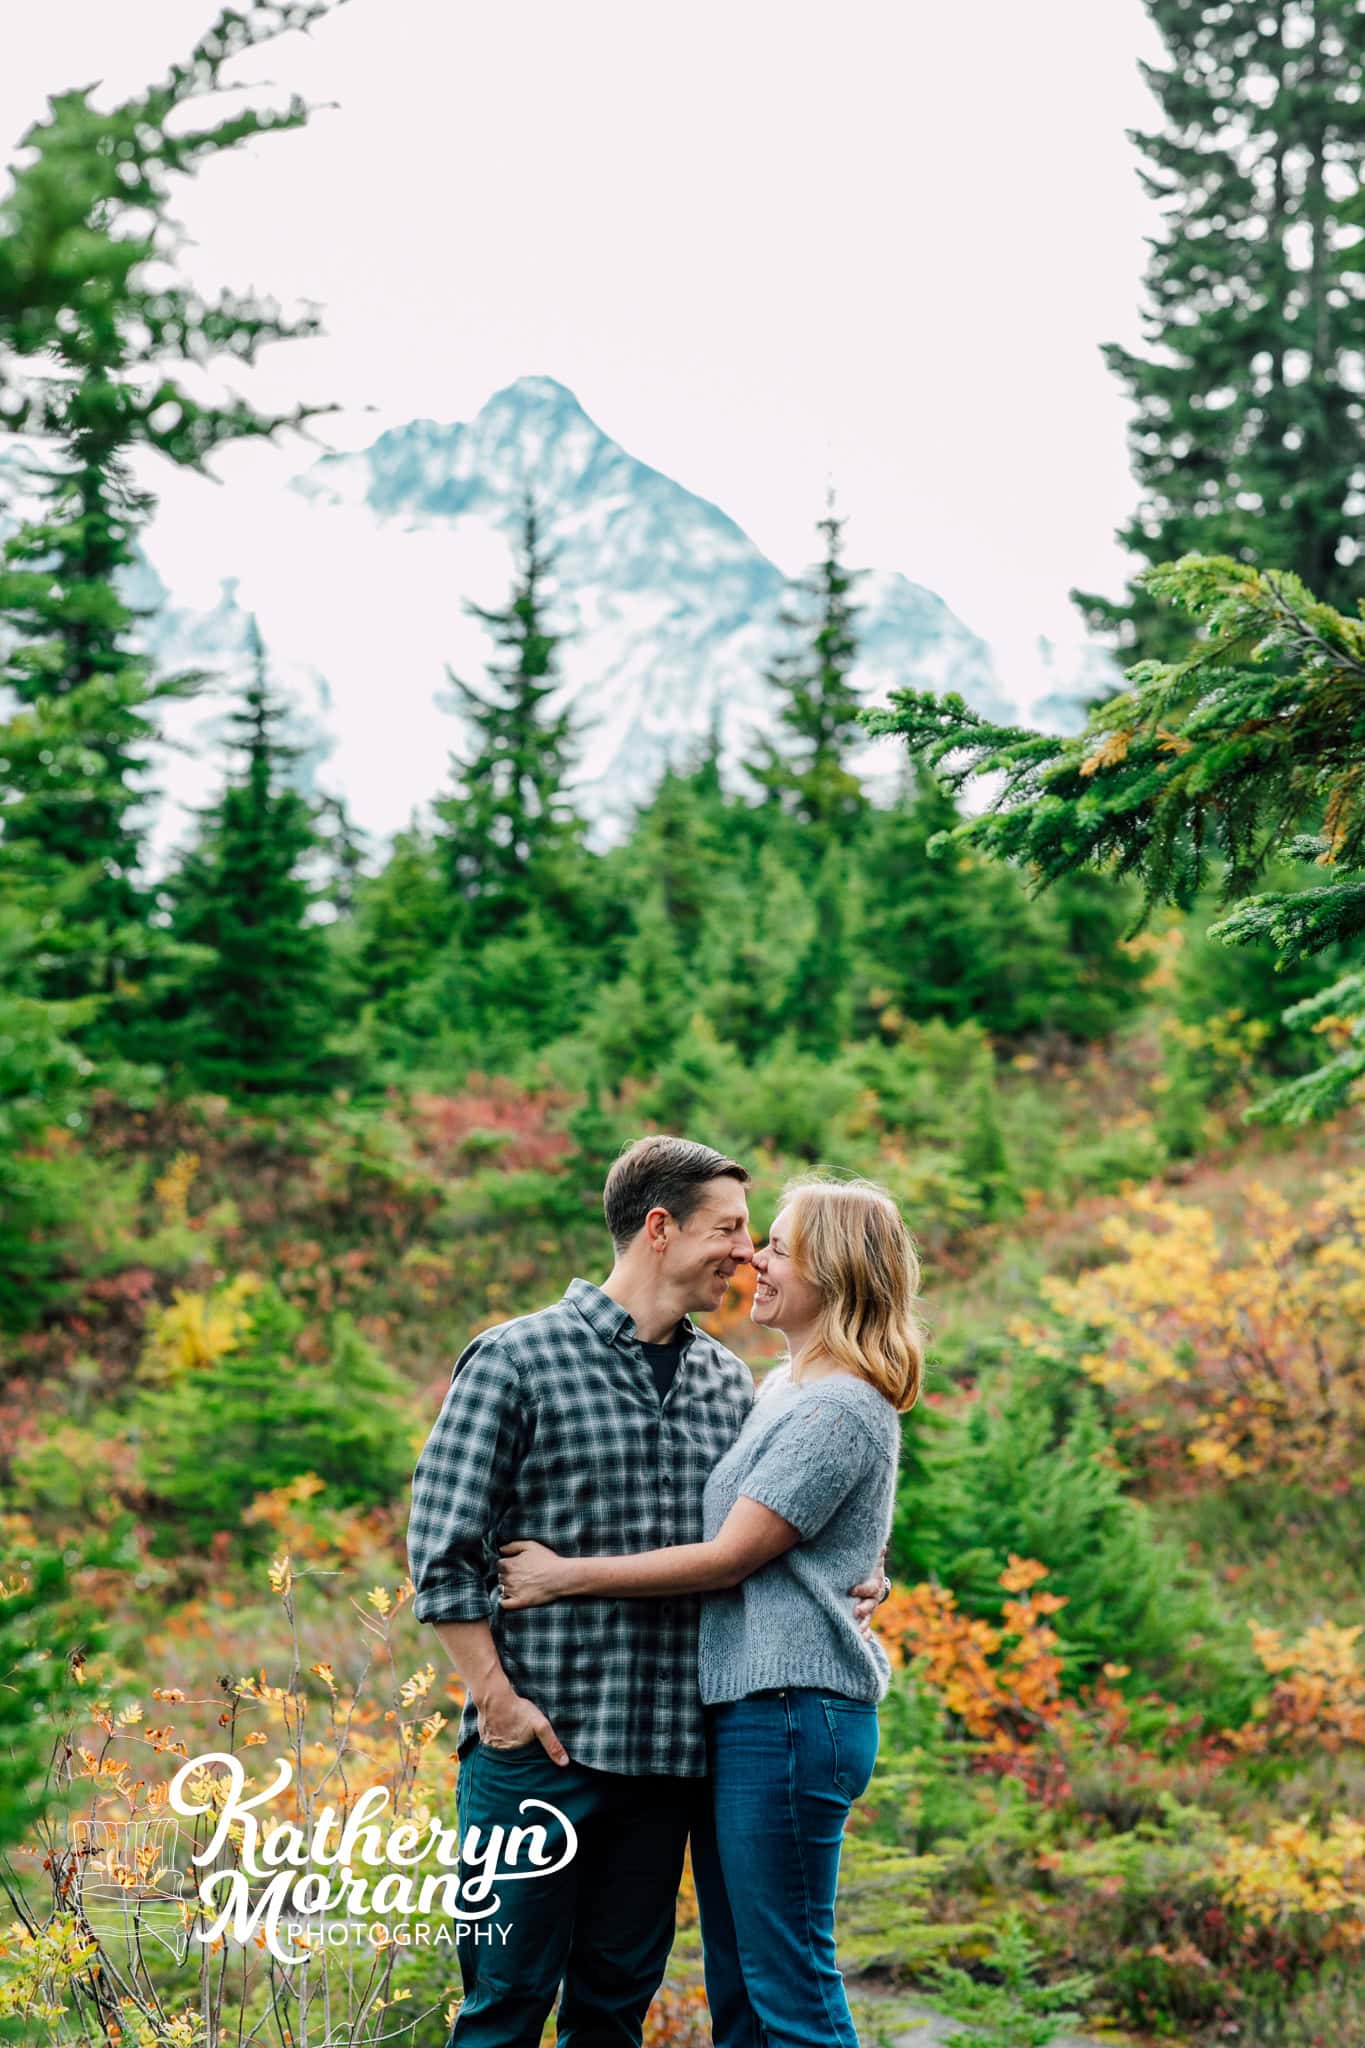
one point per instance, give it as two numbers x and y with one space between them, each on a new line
602 1926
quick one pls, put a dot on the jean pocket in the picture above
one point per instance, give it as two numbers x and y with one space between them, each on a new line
854 1737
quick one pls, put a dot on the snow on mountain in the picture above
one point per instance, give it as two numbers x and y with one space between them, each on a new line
358 569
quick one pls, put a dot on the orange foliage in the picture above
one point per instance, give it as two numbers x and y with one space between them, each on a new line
1003 1684
1318 1701
678 2019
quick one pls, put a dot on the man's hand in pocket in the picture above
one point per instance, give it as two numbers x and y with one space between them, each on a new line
506 1721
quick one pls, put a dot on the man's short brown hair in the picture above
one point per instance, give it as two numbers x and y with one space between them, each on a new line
661 1173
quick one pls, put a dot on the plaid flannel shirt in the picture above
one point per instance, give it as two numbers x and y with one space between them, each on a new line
552 1430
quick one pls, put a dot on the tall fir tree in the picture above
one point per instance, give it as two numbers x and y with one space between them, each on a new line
251 1017
1249 433
805 771
509 839
91 329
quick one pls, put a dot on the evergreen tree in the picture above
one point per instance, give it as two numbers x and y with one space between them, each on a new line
252 1015
695 1080
44 1079
817 703
1249 434
679 845
262 1416
1029 1470
526 986
819 1007
510 839
948 934
1251 748
1017 2007
389 951
637 1019
760 926
1246 982
85 244
343 845
985 1159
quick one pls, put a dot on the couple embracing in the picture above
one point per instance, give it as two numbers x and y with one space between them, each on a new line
655 1588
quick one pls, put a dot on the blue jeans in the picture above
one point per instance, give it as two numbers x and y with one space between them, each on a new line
784 1768
602 1926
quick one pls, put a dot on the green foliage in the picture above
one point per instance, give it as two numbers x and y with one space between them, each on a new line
949 935
921 1795
1247 434
249 1014
93 322
1018 2010
819 1005
697 1074
509 838
1252 984
263 1414
1031 1472
43 1627
817 702
1232 751
985 1161
43 1082
638 1018
790 1101
386 954
49 1628
759 925
681 845
882 1911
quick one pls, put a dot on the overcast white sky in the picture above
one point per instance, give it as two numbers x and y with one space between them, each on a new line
763 241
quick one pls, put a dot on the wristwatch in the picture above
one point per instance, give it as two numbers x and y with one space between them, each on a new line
885 1593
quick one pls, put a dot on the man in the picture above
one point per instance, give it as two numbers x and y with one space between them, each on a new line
590 1426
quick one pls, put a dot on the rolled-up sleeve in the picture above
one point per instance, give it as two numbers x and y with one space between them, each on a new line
462 1484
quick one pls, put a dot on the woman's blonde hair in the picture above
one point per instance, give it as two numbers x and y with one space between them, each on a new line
847 1237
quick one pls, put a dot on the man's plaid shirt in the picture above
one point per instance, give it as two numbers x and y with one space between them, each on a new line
553 1431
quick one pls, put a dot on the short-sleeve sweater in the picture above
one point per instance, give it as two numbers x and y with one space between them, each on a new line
823 1455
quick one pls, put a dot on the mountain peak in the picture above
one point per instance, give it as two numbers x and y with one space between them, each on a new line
540 393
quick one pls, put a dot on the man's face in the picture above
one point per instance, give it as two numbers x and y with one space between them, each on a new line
702 1253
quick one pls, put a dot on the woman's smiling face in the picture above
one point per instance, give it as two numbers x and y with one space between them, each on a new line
783 1298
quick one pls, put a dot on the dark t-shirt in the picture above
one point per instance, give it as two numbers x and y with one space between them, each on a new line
662 1360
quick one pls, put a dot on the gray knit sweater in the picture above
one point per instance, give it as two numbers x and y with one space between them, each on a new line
823 1456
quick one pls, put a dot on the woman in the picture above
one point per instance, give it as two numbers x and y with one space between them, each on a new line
794 1513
